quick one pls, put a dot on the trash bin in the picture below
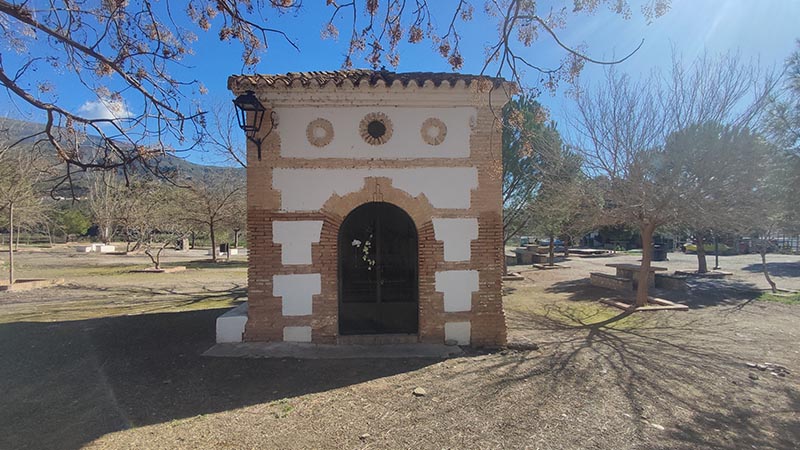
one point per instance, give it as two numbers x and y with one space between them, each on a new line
659 253
224 248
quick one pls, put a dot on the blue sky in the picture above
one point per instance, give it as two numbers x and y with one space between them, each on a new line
762 29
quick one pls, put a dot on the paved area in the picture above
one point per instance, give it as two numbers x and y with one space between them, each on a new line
746 269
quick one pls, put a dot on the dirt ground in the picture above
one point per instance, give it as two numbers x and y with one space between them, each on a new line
113 359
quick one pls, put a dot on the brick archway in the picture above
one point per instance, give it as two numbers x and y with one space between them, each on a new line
335 209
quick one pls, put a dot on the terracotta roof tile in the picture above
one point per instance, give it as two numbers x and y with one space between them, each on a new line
357 77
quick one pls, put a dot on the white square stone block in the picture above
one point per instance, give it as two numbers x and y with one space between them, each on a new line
296 292
457 235
297 334
457 331
295 238
457 286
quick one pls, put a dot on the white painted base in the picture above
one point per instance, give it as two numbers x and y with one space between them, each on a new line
457 331
297 334
84 249
230 326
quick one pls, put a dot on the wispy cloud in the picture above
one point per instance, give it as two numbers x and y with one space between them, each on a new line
105 109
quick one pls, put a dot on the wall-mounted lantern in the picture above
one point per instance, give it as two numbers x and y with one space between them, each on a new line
250 114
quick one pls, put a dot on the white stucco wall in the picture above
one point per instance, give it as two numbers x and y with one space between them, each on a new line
296 238
297 334
456 234
406 140
296 291
309 189
458 331
457 286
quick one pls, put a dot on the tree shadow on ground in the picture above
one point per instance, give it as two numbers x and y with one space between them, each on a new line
181 297
778 269
221 263
672 368
67 383
701 292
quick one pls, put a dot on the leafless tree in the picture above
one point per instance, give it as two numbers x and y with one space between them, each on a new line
620 125
138 202
155 221
222 136
214 201
20 200
623 124
125 54
105 200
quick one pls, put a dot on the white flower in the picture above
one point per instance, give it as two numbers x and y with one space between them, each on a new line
356 243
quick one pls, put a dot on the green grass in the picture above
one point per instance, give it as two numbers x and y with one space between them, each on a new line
788 299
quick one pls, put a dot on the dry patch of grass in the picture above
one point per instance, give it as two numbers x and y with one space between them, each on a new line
532 300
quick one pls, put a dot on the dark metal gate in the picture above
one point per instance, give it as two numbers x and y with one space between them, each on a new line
378 282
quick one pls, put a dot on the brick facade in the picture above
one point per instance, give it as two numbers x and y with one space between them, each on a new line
486 318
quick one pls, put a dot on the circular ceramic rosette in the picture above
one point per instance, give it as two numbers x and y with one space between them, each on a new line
319 132
433 131
376 128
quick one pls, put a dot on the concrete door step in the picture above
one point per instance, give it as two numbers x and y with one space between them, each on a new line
303 350
377 339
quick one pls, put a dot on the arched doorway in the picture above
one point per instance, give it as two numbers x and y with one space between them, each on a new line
378 279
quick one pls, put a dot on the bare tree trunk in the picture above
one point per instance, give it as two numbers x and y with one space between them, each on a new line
647 231
10 243
551 251
772 284
19 232
155 259
158 258
213 242
702 264
236 238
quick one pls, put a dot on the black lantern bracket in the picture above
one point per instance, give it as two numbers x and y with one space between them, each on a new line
250 114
